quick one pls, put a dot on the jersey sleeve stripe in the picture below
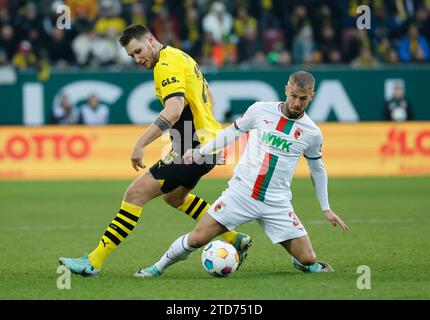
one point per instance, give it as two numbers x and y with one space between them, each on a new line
175 94
237 128
312 158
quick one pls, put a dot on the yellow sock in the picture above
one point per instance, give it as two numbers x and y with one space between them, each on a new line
196 207
118 230
229 236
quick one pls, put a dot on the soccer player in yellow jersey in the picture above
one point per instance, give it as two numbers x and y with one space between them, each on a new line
187 114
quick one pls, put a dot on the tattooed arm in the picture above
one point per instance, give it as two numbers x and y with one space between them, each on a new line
165 120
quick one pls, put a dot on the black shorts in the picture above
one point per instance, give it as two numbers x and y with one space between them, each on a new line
176 174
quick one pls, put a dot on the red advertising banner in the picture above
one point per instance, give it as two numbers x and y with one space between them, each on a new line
80 152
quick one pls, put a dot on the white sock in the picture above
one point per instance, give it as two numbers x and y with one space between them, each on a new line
179 250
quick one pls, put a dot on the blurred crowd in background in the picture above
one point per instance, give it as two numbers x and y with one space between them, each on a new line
253 33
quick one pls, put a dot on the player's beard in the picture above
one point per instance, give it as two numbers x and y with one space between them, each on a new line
149 63
152 61
291 114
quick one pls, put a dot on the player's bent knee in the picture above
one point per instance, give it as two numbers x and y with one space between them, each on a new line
173 201
142 189
198 238
195 241
136 194
307 258
133 190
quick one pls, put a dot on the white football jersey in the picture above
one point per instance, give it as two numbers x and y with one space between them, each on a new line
274 148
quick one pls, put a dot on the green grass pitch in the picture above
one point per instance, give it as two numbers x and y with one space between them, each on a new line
389 221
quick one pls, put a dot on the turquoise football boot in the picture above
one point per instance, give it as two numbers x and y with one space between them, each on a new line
318 266
80 266
151 272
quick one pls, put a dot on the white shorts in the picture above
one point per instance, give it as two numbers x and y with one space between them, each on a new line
235 207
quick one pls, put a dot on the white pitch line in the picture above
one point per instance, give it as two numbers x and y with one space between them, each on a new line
365 221
47 228
85 226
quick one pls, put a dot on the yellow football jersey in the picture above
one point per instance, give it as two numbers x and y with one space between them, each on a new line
177 74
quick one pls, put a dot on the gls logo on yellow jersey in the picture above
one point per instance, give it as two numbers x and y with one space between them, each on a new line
169 81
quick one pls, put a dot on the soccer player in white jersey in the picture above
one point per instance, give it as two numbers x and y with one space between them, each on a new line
279 133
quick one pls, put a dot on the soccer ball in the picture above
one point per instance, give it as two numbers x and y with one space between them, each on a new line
220 258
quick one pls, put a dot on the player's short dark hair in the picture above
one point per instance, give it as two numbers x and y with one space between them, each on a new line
302 79
133 31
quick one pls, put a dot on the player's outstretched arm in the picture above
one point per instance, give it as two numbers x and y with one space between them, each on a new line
223 139
320 182
165 120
